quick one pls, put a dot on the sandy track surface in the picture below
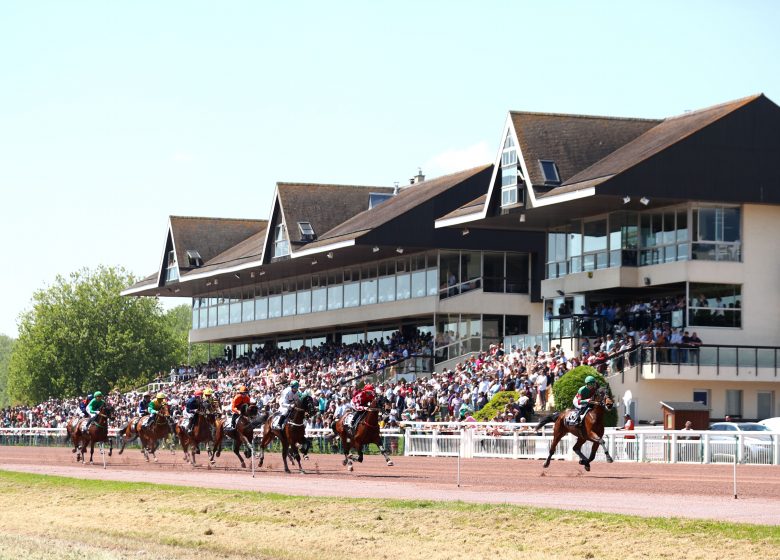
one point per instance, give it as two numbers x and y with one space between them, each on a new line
690 491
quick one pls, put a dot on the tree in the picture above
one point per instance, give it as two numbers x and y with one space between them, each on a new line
6 347
569 383
179 320
81 336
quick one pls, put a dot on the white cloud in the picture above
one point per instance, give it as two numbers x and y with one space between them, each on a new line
458 159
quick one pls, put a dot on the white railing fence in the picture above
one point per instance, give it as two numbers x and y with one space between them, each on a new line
519 441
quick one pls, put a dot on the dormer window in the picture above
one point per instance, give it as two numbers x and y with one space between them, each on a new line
375 199
281 246
307 232
194 258
550 172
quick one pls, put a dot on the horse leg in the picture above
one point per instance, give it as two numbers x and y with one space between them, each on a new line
606 451
285 451
237 451
557 435
584 461
91 450
383 451
110 445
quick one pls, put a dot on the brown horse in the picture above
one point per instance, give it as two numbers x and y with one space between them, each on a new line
97 433
244 432
204 430
150 435
590 429
292 435
367 431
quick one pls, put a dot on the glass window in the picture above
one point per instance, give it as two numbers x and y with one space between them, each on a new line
517 273
204 317
336 296
515 324
304 302
715 305
386 289
403 288
274 306
432 276
595 238
319 299
288 304
248 310
352 294
449 268
470 270
213 316
281 247
549 171
223 313
368 292
261 308
235 311
418 284
195 318
493 264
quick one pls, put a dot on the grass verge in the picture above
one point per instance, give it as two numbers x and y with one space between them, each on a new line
55 517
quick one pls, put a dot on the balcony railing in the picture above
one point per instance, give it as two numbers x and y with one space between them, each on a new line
746 360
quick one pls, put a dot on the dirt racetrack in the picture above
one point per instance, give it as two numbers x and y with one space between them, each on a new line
691 491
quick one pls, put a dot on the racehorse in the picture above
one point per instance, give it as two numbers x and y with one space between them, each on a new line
243 434
97 433
149 435
204 430
367 431
292 435
590 429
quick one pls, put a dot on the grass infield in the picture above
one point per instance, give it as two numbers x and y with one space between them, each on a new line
47 517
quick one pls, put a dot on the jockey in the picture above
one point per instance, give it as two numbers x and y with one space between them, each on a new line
83 404
287 401
155 407
210 402
238 406
191 409
360 402
583 399
93 407
143 404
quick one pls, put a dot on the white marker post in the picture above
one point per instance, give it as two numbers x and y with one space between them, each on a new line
736 456
460 445
253 454
103 454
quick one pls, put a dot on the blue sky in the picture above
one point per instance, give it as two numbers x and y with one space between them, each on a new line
114 116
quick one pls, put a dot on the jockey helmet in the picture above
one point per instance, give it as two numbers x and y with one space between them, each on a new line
208 392
294 384
160 396
369 387
243 389
97 394
198 393
146 395
590 379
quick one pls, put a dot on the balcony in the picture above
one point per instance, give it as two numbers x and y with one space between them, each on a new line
710 363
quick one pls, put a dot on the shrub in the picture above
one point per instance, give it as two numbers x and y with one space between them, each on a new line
567 386
496 405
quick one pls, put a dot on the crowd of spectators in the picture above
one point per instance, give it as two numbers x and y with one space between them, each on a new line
332 373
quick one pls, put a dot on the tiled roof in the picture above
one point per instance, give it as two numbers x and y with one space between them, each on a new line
667 133
573 142
250 249
473 207
406 200
323 206
209 236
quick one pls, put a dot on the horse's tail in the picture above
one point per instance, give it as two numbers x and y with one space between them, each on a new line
546 420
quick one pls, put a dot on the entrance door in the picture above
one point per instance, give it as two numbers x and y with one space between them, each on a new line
764 408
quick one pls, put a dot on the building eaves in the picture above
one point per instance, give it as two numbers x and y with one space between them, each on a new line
209 236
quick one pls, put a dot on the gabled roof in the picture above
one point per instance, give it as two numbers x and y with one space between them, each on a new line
657 139
407 199
683 406
209 236
250 249
323 206
573 142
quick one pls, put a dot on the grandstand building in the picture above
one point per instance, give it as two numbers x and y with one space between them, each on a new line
576 215
683 209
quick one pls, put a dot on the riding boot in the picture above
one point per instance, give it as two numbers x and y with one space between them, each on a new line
190 424
233 421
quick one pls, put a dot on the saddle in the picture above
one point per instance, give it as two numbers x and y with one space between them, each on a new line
276 423
573 418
